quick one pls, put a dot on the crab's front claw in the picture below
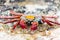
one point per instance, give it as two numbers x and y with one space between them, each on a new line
23 24
34 26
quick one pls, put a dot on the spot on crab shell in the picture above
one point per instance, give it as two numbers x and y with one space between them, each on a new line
30 17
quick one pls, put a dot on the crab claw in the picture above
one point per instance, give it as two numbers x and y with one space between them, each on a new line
34 26
23 24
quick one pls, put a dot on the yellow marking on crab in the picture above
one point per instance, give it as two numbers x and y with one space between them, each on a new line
30 17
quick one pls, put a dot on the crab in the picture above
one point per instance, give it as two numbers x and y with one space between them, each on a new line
31 20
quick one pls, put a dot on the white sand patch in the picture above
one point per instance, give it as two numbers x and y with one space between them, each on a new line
55 35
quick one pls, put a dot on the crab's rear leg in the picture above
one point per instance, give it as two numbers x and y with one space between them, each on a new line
14 13
10 21
47 21
9 17
50 16
54 22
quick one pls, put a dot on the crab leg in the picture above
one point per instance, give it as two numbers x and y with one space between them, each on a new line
54 22
8 17
50 16
10 21
15 25
34 26
14 13
47 21
23 24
